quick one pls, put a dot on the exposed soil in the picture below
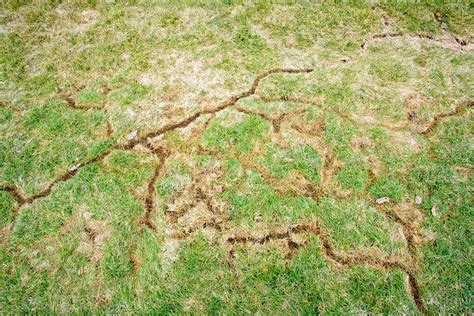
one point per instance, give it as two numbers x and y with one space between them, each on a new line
150 196
71 102
437 118
446 42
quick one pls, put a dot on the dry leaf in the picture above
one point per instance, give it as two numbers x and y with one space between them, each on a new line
81 271
132 135
434 211
382 200
418 199
400 231
75 167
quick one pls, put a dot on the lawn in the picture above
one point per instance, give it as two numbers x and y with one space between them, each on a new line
220 157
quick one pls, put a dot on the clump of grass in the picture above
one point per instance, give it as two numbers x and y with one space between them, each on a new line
241 136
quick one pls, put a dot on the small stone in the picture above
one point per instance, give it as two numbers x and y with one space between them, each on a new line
382 200
131 135
444 26
418 199
434 211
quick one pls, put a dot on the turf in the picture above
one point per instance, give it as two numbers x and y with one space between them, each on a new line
229 158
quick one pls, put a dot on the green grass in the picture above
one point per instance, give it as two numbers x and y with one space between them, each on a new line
84 248
241 136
